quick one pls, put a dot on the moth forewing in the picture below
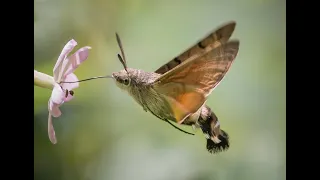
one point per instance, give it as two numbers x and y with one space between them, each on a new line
213 63
187 86
227 56
216 38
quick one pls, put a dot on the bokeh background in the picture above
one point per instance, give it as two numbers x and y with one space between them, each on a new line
104 134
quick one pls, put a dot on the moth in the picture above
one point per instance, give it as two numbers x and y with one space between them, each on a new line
177 91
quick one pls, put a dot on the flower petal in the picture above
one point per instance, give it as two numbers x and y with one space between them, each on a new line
69 97
57 95
54 109
56 99
51 132
58 68
77 58
70 78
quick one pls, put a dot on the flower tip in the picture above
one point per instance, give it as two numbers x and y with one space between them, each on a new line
53 138
51 132
73 42
88 47
54 141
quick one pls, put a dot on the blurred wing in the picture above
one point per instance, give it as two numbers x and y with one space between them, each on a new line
187 86
215 39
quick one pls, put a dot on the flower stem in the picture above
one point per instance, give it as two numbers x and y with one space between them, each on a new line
43 80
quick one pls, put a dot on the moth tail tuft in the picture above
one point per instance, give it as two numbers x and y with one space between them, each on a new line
216 147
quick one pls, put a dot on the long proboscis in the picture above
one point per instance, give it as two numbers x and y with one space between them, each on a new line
88 79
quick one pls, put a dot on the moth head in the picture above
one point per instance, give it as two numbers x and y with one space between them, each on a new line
122 78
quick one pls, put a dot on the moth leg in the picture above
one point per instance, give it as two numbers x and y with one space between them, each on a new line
166 120
177 127
145 109
195 126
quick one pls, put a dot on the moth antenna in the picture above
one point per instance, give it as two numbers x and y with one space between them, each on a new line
178 128
122 58
122 62
88 79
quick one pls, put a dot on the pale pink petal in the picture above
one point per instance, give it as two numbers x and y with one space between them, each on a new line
51 133
77 58
57 98
57 95
70 78
54 109
58 69
69 97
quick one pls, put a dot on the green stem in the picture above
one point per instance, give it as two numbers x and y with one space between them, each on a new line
43 80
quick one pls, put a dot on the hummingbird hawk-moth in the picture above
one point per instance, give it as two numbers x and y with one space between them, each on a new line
178 90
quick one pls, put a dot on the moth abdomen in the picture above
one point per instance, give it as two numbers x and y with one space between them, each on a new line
223 145
217 139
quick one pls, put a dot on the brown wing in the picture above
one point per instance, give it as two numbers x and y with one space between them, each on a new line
187 86
215 39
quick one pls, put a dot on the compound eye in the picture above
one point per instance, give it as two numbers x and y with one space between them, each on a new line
126 82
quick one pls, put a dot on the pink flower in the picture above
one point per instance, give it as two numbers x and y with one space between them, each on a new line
63 71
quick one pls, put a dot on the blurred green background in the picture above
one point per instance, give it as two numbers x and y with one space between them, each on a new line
103 134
